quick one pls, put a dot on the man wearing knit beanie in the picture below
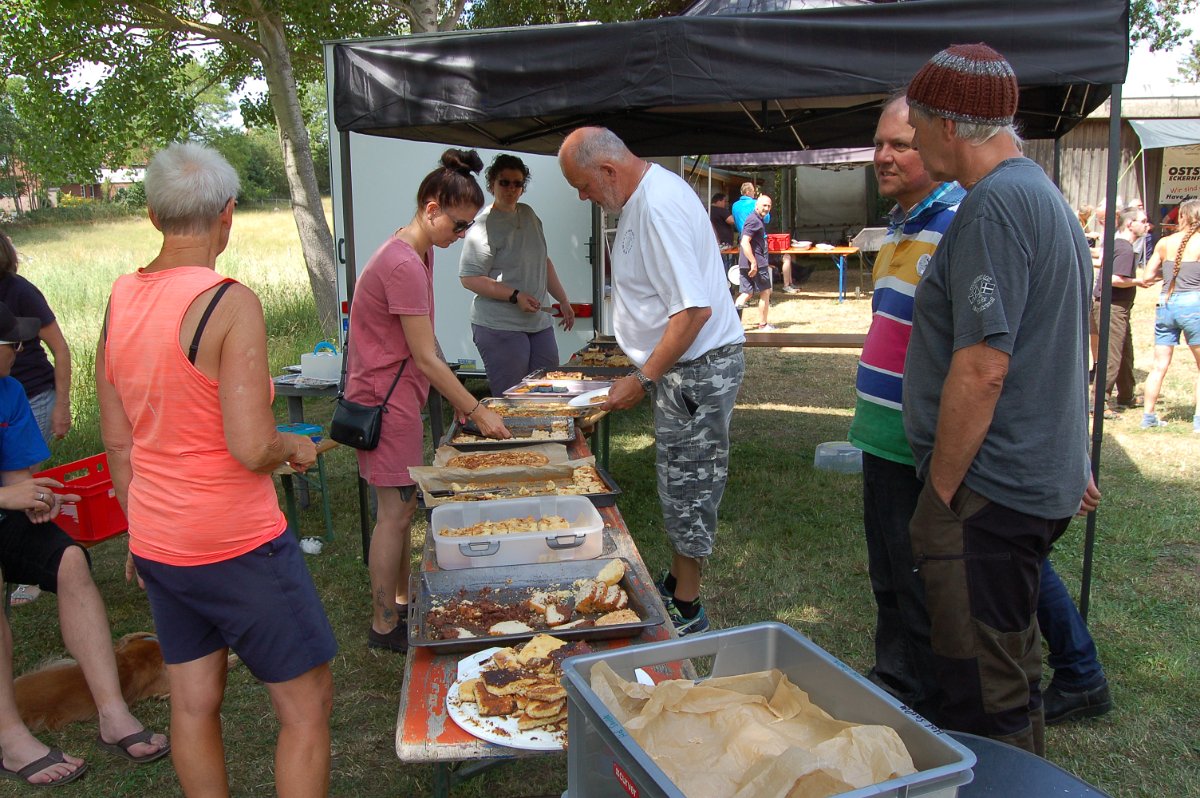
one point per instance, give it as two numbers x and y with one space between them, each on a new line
995 395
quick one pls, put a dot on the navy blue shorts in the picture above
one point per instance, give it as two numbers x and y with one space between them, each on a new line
31 553
262 605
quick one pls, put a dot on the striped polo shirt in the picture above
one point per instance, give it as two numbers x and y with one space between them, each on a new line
878 427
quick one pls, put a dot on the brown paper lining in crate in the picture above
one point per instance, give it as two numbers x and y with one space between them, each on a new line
432 480
759 735
555 453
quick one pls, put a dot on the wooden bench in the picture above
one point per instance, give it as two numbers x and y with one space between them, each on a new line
809 340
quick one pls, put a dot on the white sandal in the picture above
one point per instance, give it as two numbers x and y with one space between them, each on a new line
23 594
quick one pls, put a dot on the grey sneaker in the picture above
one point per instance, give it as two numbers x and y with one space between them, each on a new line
1151 420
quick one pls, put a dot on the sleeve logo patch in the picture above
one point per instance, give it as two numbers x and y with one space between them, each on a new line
923 264
983 293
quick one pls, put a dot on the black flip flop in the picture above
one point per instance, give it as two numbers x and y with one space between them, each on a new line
55 757
121 747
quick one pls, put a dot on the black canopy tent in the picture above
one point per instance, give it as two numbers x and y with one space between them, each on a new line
714 84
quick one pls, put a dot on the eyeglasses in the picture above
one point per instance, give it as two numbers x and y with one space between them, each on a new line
511 183
461 225
17 346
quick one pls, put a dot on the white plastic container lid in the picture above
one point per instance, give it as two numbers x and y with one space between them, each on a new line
840 456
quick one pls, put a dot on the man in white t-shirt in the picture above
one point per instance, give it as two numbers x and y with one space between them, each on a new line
673 318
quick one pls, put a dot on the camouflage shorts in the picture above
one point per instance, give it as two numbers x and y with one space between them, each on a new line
693 403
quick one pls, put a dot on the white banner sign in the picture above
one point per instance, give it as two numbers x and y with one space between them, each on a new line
1180 174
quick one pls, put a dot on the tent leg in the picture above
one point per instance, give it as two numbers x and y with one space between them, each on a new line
1110 229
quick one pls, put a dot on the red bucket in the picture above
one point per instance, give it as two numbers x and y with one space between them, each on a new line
778 242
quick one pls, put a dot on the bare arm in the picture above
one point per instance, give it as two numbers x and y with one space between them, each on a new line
418 332
969 397
557 291
1154 265
494 289
681 331
748 251
243 388
60 416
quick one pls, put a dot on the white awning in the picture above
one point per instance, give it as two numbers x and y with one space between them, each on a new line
1155 133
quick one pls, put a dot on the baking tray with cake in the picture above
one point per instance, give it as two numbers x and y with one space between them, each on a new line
438 486
589 374
510 588
526 431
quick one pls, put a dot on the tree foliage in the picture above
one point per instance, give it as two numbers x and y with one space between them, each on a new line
145 96
1159 22
510 13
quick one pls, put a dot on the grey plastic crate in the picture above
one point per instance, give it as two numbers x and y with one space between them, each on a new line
600 753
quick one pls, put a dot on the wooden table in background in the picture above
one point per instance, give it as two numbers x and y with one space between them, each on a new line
838 254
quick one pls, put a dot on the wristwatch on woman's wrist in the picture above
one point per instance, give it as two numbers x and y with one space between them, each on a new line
646 382
513 298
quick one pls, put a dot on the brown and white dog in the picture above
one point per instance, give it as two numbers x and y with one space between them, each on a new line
57 694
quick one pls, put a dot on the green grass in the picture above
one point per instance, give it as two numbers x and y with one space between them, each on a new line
790 545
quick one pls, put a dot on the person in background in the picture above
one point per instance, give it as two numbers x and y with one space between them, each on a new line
672 316
185 413
47 386
996 418
1131 226
392 347
924 209
36 550
753 266
1177 259
744 206
722 221
504 263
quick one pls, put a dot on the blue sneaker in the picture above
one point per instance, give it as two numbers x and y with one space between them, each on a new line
1151 420
687 626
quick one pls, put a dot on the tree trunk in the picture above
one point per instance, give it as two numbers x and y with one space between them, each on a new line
316 240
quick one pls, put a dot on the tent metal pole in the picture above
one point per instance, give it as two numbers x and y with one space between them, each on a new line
1102 364
1057 168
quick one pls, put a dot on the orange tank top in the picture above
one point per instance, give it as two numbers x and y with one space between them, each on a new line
190 502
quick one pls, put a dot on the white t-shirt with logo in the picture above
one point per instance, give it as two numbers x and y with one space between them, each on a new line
665 260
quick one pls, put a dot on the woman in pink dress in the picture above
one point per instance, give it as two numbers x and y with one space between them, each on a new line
391 333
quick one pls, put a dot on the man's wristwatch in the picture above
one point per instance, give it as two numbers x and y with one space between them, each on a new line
647 383
513 298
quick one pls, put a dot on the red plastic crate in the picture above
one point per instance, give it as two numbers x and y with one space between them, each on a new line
97 516
778 242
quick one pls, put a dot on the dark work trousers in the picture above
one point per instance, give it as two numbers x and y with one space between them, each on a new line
1072 652
981 566
1120 351
903 658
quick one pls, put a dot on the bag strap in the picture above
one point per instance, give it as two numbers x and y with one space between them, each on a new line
208 311
346 362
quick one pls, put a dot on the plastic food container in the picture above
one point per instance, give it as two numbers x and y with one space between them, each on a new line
603 761
584 540
840 456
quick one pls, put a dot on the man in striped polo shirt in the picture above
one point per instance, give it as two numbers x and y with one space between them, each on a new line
923 211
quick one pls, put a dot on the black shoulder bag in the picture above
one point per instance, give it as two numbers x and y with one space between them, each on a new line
354 424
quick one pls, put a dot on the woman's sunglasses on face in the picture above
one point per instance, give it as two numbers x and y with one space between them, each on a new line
511 183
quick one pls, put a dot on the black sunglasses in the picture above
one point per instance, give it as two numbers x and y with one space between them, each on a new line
461 225
511 183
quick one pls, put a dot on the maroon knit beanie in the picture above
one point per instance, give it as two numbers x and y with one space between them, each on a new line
966 83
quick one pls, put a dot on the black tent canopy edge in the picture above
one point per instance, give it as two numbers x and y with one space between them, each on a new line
790 80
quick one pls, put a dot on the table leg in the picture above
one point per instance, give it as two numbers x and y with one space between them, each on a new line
325 498
840 261
289 501
295 407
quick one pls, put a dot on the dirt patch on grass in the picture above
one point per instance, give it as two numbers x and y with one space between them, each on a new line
1177 568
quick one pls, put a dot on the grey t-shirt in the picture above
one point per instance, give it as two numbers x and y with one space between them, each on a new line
1012 270
511 248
